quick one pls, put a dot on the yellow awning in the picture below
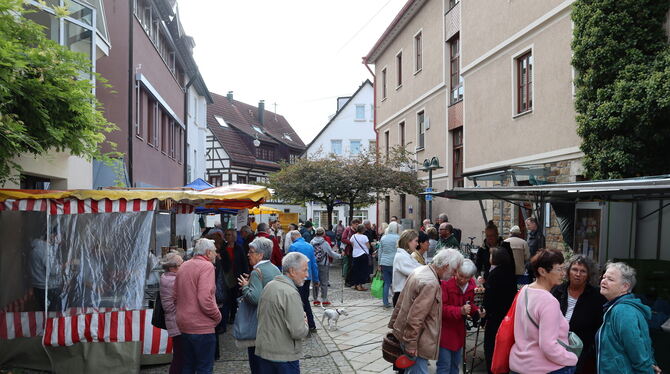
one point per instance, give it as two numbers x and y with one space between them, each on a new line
264 210
235 192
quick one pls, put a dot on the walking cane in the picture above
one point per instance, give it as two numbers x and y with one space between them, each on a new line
474 354
465 340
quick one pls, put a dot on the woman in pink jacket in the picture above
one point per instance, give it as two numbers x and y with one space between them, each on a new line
539 323
171 263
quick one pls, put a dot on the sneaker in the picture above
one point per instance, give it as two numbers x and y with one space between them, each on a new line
316 302
326 303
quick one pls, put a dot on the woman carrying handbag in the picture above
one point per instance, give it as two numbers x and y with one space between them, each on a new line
541 333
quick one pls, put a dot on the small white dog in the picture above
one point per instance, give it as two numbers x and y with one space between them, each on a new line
333 315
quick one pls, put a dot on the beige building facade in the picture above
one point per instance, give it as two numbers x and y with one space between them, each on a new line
519 114
414 108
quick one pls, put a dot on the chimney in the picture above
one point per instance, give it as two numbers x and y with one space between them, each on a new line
261 111
230 96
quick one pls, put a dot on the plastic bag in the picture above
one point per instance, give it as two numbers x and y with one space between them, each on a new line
377 287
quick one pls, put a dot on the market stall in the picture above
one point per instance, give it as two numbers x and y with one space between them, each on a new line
75 268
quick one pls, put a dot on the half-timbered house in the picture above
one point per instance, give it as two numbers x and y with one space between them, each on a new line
246 142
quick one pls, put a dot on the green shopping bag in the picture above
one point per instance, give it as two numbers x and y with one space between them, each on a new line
377 287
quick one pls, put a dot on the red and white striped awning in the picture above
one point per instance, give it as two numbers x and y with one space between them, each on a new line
76 206
114 326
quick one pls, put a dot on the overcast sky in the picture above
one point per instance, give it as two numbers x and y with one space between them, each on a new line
300 54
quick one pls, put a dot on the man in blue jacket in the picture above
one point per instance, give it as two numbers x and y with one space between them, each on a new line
300 245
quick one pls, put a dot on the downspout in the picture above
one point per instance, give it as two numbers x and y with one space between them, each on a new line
374 122
131 86
185 150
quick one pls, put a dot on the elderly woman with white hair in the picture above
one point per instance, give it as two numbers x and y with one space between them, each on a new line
417 318
458 303
623 342
260 252
388 245
171 263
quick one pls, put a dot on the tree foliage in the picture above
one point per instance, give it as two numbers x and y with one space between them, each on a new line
45 106
622 58
333 180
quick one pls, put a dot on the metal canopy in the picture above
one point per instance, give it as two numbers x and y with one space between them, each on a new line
647 188
533 171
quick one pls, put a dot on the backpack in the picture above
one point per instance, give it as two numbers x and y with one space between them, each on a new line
319 253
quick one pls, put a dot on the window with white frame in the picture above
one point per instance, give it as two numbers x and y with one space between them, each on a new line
360 112
354 147
336 147
398 65
418 52
421 127
524 83
383 83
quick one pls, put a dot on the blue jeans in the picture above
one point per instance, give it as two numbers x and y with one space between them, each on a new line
448 361
387 275
254 361
420 367
278 367
198 353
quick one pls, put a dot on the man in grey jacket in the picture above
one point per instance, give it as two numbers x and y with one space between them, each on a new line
282 323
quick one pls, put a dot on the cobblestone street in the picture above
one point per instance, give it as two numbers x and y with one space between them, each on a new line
355 347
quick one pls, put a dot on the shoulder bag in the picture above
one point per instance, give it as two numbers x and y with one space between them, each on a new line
246 319
158 316
504 341
574 344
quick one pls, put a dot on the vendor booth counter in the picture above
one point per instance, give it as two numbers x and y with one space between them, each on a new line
76 268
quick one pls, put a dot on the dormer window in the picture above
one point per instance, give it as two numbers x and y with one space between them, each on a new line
287 137
258 129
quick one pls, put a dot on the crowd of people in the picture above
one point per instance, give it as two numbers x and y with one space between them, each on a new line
432 287
563 323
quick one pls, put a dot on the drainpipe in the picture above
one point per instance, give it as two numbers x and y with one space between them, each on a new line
374 119
185 150
131 86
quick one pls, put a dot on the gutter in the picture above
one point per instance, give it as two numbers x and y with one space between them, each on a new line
131 86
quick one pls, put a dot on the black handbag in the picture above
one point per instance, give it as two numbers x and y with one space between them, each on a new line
158 317
391 348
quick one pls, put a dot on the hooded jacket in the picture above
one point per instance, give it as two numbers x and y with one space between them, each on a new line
623 343
320 242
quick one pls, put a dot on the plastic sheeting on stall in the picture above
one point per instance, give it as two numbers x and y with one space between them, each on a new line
67 261
101 260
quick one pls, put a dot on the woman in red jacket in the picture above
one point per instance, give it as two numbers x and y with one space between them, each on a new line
458 296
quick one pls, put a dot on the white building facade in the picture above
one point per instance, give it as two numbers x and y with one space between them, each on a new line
197 134
349 132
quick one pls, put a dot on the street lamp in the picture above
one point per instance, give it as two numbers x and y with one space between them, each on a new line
429 166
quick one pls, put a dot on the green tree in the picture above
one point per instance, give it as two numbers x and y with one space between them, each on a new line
332 180
44 105
622 60
309 179
370 175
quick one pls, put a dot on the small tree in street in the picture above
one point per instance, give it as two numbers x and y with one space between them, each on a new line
45 106
309 179
369 175
334 180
